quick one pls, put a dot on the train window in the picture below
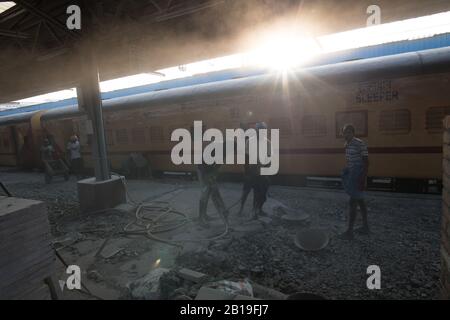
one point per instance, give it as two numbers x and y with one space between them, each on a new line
234 113
356 118
283 124
122 136
314 125
138 135
395 121
434 118
156 134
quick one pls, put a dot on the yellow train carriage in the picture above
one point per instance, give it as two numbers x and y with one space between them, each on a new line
19 135
396 103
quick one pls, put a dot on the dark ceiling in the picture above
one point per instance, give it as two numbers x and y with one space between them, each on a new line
39 54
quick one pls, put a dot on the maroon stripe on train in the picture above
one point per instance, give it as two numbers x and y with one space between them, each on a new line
374 150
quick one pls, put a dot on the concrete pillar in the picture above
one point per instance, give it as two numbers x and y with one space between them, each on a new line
445 241
89 99
88 92
103 192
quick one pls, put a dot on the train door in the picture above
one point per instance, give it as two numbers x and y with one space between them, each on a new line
24 145
37 137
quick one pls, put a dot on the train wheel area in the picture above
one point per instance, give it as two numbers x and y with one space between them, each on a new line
118 260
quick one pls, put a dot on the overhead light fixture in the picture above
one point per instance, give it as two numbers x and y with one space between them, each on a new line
6 5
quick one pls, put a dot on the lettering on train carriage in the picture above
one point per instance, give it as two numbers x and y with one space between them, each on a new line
376 91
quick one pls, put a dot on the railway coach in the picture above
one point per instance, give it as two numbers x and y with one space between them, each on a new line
396 104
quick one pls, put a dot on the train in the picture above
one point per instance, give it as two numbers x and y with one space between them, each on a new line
396 103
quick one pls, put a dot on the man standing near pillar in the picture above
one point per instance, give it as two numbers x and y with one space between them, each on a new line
76 162
354 179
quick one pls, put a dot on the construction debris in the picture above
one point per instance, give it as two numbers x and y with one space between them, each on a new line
148 287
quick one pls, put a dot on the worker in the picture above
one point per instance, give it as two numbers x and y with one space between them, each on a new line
354 178
208 174
247 186
47 150
47 154
76 161
253 178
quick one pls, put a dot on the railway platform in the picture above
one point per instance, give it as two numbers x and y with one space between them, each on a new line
113 254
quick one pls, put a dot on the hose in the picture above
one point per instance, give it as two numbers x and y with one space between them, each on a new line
150 226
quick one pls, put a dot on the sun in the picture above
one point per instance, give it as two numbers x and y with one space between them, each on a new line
282 51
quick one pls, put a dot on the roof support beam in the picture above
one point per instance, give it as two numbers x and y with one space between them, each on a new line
47 18
14 34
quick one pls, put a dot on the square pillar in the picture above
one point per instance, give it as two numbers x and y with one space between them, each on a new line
97 195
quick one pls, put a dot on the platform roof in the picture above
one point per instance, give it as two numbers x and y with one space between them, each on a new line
39 54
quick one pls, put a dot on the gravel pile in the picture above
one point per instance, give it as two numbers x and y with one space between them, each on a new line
404 244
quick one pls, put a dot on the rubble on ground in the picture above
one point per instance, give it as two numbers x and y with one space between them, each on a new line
404 243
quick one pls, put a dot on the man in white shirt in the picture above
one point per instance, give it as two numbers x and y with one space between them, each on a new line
76 161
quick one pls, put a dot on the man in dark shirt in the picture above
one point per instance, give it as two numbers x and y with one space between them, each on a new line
208 174
208 177
253 178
